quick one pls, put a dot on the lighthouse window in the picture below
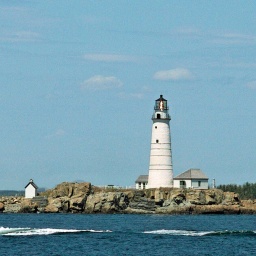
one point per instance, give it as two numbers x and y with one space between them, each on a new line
155 127
158 116
157 141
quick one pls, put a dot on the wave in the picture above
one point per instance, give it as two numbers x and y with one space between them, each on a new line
44 231
6 231
199 233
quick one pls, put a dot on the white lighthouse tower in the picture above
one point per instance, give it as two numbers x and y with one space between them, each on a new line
160 165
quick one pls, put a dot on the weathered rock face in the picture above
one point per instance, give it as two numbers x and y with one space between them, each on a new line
68 197
106 202
84 198
67 189
1 207
17 205
74 197
141 203
248 206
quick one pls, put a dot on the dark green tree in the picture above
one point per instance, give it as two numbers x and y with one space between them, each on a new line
245 191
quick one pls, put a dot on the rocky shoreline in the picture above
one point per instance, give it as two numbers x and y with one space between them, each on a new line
85 198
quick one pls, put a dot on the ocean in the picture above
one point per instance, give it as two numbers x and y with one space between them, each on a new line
126 234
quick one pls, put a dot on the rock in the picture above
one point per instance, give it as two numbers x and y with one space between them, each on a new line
1 206
76 204
12 208
216 209
130 210
231 198
213 196
175 209
196 197
68 197
248 206
141 202
106 202
67 189
84 198
51 209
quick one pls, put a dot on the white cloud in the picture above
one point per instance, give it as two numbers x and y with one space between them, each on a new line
56 134
173 74
101 83
233 38
218 37
109 58
187 31
135 95
124 95
20 36
251 85
13 9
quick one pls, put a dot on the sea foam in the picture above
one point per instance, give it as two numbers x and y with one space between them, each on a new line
43 231
200 233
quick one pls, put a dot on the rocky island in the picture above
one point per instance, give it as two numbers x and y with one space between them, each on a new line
86 198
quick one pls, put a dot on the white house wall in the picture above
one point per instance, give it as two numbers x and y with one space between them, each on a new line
203 185
176 183
191 184
30 191
142 186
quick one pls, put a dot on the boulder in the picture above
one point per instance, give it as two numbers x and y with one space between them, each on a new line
1 206
106 202
230 198
67 197
12 208
67 189
76 204
141 202
50 208
196 197
248 206
215 209
174 209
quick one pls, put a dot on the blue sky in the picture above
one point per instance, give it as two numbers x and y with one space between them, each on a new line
78 81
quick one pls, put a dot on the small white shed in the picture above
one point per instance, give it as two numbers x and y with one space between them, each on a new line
142 182
31 189
192 178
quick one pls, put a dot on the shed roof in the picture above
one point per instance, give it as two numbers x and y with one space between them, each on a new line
32 183
142 178
192 174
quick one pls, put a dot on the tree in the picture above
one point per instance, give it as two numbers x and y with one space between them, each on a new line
245 191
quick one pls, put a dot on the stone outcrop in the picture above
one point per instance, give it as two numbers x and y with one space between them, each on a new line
85 198
248 206
67 197
17 205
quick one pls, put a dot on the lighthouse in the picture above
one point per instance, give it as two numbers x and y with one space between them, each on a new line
160 164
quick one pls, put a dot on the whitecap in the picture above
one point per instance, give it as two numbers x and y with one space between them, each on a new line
43 231
179 232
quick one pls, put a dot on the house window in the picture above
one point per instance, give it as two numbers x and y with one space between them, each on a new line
157 141
139 185
144 185
182 184
199 183
158 116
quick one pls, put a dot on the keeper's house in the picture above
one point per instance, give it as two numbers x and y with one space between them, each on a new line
31 189
192 178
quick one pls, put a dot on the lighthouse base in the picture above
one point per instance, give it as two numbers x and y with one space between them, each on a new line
160 178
